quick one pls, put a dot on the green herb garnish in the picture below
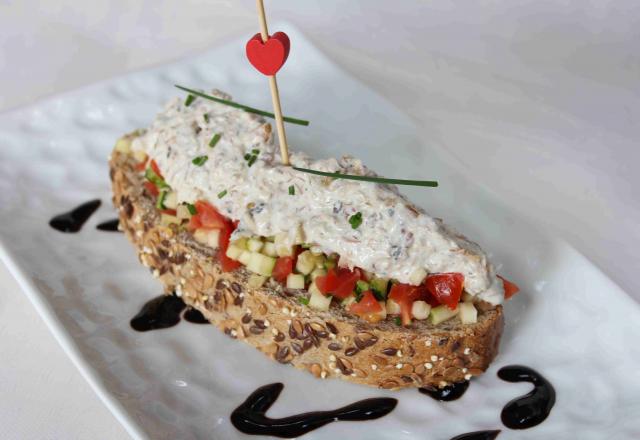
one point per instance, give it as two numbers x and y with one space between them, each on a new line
200 160
379 296
189 100
398 321
361 286
161 198
221 194
214 140
303 300
242 107
255 151
192 209
373 179
355 220
152 177
358 296
292 190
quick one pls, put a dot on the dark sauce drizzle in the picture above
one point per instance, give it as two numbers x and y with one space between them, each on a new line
161 312
194 316
448 393
73 220
532 408
478 435
109 225
250 417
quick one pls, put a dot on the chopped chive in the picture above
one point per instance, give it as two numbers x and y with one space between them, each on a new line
252 160
355 220
214 140
303 300
200 160
358 296
192 209
247 156
189 100
292 190
398 321
373 179
161 198
221 194
152 177
379 296
255 151
206 117
242 107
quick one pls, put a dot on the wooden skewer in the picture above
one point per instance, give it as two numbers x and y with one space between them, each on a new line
273 85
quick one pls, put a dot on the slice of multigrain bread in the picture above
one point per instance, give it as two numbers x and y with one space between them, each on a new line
327 344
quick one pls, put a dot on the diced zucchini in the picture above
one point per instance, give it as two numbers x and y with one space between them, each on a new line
329 263
254 244
171 200
269 249
261 264
379 286
123 145
441 313
209 237
319 261
241 243
318 301
417 276
420 310
295 281
468 313
140 156
256 281
182 212
245 257
317 273
393 308
234 252
167 219
306 263
361 286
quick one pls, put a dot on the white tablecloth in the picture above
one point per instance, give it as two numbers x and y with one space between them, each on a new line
576 175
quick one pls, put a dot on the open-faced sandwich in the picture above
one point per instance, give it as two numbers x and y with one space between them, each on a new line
338 277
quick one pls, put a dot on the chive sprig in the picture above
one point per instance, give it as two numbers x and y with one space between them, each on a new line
374 179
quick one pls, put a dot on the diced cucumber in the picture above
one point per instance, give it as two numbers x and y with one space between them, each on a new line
241 243
261 264
254 244
441 313
420 310
234 252
318 301
245 257
306 263
167 219
317 273
269 249
209 237
379 286
316 251
361 286
182 212
171 200
393 308
417 276
123 145
295 281
320 259
256 281
284 250
468 313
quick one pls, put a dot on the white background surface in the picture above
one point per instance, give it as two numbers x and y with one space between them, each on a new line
579 61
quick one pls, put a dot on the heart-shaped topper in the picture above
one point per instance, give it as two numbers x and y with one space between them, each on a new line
268 57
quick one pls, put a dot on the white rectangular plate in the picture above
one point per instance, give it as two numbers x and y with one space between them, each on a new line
570 322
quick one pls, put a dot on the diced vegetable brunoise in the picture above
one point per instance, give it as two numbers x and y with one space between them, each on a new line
438 297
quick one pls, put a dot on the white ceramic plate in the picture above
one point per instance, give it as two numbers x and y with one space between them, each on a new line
571 323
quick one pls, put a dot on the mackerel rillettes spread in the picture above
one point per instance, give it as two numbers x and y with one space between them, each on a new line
395 240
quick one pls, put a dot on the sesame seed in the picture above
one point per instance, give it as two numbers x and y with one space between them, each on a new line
442 384
332 336
234 333
374 367
267 323
428 365
156 273
332 365
248 310
188 256
192 273
337 371
434 358
467 350
285 310
467 377
138 234
323 374
178 291
427 342
274 331
399 354
146 250
441 358
289 321
332 358
399 366
464 370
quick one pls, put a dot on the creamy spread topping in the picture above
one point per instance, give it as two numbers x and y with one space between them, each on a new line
395 239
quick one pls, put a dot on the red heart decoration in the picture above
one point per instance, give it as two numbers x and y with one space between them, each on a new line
268 57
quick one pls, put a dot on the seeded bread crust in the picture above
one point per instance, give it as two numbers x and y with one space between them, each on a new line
327 344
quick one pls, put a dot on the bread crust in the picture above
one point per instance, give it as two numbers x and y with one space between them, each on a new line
327 344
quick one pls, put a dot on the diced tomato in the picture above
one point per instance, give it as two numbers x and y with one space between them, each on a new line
153 190
446 288
405 295
140 166
367 305
510 288
209 217
226 263
156 169
168 211
194 223
339 283
282 269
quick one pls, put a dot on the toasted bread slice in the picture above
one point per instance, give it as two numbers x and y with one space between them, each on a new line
327 344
